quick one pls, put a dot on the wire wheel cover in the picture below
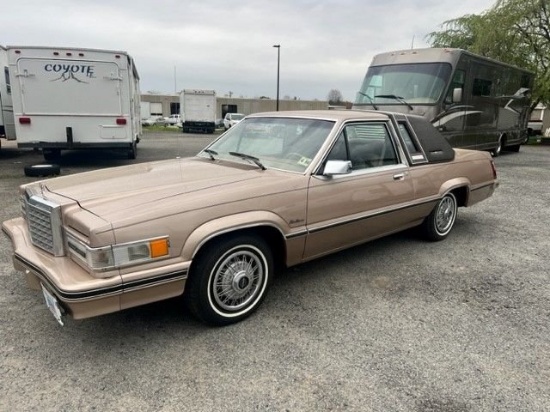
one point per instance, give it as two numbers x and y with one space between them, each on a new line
238 279
446 212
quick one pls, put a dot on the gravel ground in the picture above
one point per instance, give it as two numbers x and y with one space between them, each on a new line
398 324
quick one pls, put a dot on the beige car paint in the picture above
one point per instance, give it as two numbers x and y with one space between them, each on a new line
202 199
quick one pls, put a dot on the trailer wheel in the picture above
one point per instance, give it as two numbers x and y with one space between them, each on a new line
45 169
132 153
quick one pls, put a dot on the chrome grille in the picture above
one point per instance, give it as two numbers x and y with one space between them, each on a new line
44 221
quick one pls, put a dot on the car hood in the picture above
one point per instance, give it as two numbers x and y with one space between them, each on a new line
132 191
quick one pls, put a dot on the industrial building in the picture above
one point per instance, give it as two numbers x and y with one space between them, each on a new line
167 104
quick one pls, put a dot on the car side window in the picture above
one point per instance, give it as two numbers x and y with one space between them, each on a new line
339 150
412 145
366 145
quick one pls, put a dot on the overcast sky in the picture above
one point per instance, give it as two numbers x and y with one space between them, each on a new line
228 45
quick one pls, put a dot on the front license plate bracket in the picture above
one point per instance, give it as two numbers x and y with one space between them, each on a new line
53 305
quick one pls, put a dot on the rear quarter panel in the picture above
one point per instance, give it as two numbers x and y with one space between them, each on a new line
471 169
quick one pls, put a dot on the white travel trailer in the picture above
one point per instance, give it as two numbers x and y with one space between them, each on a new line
475 102
7 127
73 98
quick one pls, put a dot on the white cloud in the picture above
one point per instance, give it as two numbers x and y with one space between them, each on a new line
325 44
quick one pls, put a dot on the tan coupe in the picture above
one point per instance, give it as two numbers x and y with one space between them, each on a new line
276 190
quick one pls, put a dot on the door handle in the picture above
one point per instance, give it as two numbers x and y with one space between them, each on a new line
399 176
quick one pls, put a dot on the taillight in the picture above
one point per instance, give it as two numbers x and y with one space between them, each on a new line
25 120
121 121
494 169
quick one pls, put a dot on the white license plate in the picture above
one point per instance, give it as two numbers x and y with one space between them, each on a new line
52 304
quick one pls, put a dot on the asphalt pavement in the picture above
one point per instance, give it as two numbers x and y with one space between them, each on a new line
398 324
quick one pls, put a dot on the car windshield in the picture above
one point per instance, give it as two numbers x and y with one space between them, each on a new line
280 143
404 84
236 116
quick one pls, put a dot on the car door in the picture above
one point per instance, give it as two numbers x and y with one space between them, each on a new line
369 201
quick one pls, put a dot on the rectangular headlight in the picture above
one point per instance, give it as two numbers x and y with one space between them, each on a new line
110 257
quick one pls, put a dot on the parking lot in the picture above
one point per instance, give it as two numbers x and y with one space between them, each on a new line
398 324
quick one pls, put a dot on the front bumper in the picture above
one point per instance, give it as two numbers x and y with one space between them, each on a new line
81 295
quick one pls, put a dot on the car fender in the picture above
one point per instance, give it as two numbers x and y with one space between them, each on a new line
452 184
226 224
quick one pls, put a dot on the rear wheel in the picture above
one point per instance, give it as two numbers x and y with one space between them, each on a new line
230 279
440 221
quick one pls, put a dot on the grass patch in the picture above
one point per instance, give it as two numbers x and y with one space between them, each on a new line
162 128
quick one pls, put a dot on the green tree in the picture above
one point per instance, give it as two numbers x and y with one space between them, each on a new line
512 31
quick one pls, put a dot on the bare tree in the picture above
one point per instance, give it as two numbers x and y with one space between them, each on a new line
335 97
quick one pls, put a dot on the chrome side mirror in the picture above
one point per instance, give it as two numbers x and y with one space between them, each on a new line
337 167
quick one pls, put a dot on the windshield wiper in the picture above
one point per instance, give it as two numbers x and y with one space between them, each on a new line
245 156
398 98
370 99
211 153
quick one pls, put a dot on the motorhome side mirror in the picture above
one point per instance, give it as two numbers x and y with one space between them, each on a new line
457 95
337 167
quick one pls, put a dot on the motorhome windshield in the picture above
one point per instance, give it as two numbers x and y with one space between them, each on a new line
410 83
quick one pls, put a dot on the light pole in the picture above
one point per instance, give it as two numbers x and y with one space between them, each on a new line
278 46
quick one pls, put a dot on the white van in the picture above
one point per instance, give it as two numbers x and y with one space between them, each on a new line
73 98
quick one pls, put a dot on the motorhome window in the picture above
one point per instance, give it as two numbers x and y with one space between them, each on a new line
420 83
456 83
7 76
482 87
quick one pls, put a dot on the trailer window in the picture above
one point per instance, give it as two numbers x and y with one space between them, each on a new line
7 76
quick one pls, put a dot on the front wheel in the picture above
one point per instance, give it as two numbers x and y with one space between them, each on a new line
440 221
230 279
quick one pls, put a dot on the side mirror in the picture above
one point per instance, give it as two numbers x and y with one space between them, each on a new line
337 167
457 95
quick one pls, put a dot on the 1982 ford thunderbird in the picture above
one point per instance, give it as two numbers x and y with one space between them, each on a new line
276 190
